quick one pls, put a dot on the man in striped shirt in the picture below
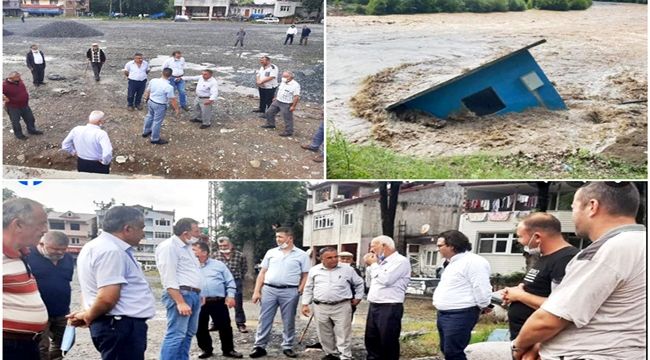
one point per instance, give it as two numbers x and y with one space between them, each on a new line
24 316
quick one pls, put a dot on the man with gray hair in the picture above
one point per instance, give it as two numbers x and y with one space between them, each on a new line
116 297
53 268
285 101
91 145
389 273
236 263
599 309
24 316
207 92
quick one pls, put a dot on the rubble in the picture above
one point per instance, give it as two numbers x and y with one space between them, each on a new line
6 32
65 29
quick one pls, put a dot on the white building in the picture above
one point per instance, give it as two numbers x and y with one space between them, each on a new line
280 9
80 228
203 9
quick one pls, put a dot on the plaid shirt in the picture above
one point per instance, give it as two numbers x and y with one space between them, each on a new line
236 263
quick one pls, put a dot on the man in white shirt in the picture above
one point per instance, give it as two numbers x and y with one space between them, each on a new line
35 60
285 102
463 293
291 31
136 72
157 95
91 145
389 274
267 82
206 95
177 64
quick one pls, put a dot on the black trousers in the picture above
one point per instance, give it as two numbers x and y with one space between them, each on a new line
383 325
266 98
38 73
92 166
20 350
15 114
218 311
124 339
289 38
97 68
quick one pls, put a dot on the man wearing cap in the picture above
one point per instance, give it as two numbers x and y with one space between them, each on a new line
236 262
91 145
599 309
291 32
330 288
116 297
180 273
206 95
280 284
97 58
136 72
24 316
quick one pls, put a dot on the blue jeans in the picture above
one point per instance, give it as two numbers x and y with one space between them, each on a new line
124 339
180 86
153 120
135 91
240 316
455 329
317 140
180 329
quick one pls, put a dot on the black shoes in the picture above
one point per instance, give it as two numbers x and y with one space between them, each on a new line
204 126
258 111
196 120
308 147
257 352
268 126
205 355
130 108
317 345
139 107
285 134
289 353
35 132
21 137
330 357
160 142
242 328
233 354
146 135
186 108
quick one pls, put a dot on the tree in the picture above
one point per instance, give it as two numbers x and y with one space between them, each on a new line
250 208
8 194
314 5
388 206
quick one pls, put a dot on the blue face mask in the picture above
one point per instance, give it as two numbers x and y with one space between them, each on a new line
381 257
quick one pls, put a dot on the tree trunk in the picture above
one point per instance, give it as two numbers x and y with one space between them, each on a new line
543 188
388 206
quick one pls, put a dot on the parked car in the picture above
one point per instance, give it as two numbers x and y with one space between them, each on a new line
270 20
181 18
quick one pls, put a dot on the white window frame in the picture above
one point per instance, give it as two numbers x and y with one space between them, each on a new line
324 221
74 241
485 236
285 8
348 217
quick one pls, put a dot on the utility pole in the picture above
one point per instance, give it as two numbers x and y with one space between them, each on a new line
214 209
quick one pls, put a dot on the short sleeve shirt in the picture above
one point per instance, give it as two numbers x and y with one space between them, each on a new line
160 91
285 269
287 91
137 73
271 71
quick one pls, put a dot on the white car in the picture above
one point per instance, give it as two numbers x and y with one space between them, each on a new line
182 18
270 20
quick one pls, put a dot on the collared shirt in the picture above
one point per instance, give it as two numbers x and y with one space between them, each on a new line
177 264
332 285
23 310
17 94
160 91
292 30
603 296
236 263
108 260
388 279
89 142
240 34
269 71
217 281
287 91
53 281
177 66
137 73
38 58
464 283
205 88
285 269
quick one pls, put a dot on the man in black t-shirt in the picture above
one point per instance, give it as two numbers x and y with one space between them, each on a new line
541 235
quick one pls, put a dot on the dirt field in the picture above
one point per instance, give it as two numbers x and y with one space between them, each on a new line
596 59
234 147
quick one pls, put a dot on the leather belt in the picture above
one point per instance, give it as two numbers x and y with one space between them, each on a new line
118 318
156 102
282 286
22 336
204 97
318 302
189 288
214 298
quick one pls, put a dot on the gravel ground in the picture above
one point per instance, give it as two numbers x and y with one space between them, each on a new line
234 147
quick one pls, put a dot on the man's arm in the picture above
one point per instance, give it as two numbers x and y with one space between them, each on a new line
257 295
181 306
107 149
174 104
518 293
167 262
479 277
540 327
67 145
107 298
303 281
88 56
308 294
389 276
296 98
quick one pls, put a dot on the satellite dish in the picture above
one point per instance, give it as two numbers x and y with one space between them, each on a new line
424 229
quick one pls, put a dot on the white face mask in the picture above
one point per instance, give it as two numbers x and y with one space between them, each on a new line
283 246
345 264
534 251
193 240
285 80
227 251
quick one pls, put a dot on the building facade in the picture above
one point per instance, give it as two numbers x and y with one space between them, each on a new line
80 228
11 8
202 9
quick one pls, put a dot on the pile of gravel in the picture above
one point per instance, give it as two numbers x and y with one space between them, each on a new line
6 32
65 29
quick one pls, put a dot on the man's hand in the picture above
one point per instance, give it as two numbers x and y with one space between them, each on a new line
305 310
177 111
184 309
208 102
512 294
202 300
486 310
292 108
230 302
77 318
370 258
256 297
178 79
5 99
355 302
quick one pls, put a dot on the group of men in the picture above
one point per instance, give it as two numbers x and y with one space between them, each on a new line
279 93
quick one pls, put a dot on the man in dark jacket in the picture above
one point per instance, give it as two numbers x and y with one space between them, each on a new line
304 34
97 58
16 101
36 63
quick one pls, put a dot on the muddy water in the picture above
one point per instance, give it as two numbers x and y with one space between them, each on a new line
596 58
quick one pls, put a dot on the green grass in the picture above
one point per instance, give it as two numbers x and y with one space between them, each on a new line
351 161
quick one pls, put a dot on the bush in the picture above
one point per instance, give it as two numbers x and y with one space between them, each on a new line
382 7
517 5
448 6
553 4
580 4
499 5
360 9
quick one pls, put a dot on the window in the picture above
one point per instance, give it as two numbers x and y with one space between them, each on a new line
54 2
347 217
162 235
484 102
431 258
323 221
414 248
162 222
322 195
499 243
285 8
57 225
74 241
75 226
257 11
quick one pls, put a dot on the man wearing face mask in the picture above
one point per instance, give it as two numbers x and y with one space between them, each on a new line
236 262
91 145
36 63
53 268
180 273
541 234
280 283
285 102
464 292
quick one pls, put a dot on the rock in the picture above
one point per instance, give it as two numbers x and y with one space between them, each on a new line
21 158
224 131
255 163
56 77
82 94
120 159
60 91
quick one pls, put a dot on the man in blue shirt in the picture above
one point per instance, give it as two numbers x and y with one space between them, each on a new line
53 267
218 289
158 93
280 284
